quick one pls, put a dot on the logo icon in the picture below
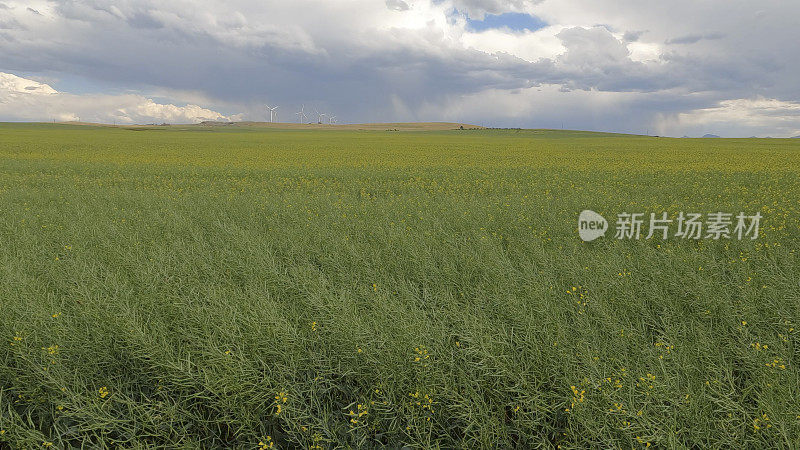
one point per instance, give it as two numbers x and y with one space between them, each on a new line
591 225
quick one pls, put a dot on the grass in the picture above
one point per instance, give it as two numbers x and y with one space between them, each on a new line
246 287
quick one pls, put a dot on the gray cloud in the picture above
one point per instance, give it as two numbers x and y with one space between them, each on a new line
144 21
632 36
477 9
397 5
693 38
9 24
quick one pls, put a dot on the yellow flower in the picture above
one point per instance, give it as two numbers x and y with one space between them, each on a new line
52 350
280 399
355 416
422 356
266 443
103 391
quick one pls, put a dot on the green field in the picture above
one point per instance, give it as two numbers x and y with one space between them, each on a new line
245 287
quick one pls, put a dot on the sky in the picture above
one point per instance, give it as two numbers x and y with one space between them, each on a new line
682 67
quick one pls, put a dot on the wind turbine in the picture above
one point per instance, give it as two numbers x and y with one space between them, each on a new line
319 119
272 114
301 114
332 120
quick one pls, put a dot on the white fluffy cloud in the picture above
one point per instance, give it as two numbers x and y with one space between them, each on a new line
24 99
650 65
740 117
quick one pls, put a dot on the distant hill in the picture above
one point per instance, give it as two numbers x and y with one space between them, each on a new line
400 126
410 126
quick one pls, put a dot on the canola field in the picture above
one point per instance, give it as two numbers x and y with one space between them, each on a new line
190 287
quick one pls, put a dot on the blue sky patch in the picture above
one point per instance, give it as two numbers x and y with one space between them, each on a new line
514 21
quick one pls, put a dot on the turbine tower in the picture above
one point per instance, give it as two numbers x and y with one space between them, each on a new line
272 114
320 116
332 120
301 114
